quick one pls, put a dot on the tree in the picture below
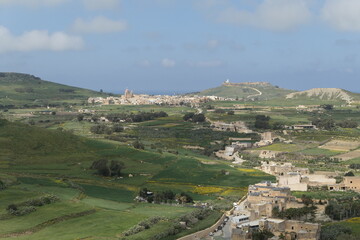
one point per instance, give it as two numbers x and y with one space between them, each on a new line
194 117
116 167
107 169
306 200
262 122
117 128
231 112
199 118
188 116
324 123
138 145
327 106
349 174
218 110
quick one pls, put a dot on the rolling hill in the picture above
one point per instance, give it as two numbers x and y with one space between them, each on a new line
247 91
17 89
327 94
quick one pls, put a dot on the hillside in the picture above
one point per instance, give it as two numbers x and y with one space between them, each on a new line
328 94
24 89
247 91
22 143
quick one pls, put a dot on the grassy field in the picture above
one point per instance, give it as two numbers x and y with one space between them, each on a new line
94 207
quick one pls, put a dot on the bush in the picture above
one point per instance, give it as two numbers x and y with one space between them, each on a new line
107 169
143 225
138 145
29 206
348 124
221 111
101 129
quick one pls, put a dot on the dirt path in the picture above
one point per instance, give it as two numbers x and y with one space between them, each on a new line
254 95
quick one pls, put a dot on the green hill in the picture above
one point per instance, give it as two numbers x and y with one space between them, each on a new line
18 89
247 91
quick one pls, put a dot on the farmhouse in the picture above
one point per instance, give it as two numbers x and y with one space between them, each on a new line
282 229
303 127
293 180
238 126
349 183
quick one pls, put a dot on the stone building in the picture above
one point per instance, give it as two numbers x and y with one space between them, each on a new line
348 184
286 229
293 180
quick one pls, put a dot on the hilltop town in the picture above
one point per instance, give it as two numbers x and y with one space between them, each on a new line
129 98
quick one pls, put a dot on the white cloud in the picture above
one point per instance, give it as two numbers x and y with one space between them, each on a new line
32 3
101 4
168 63
274 15
99 25
343 15
38 40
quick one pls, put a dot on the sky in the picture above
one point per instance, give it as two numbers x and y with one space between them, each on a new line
183 45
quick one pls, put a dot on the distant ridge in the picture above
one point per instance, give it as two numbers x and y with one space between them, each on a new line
331 94
19 89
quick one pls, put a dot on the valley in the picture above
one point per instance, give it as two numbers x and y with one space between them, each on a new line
129 170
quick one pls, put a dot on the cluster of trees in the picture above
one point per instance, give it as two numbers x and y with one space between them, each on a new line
106 129
343 209
193 117
336 232
324 123
262 122
29 206
261 235
138 117
167 196
355 166
295 213
330 124
347 124
327 106
222 111
107 168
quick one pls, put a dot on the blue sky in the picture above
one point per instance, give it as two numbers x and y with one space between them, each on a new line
182 45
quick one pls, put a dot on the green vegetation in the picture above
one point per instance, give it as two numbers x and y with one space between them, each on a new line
23 90
59 163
